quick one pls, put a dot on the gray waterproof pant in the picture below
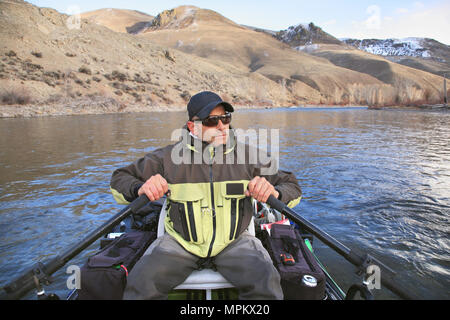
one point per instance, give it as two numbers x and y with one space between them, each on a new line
245 263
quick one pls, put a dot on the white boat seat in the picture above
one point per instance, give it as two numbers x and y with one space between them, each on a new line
205 279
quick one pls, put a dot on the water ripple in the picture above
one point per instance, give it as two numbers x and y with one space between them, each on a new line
377 181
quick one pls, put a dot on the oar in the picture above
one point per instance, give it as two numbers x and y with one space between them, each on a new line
40 273
361 262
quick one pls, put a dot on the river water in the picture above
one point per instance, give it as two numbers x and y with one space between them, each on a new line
378 181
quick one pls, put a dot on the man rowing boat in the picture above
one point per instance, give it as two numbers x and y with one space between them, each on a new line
209 206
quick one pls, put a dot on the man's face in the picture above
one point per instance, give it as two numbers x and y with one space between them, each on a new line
215 135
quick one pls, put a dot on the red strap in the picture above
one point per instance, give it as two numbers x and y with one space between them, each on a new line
124 268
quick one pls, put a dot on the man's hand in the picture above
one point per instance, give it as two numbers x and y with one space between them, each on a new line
154 188
260 189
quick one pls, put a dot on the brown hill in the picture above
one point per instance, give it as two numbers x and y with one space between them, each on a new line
119 20
46 60
429 65
420 53
309 78
303 34
207 34
42 58
410 85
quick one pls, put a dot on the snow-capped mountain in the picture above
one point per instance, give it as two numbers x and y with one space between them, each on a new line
411 47
305 34
420 53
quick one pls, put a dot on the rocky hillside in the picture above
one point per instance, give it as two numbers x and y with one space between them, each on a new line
312 76
119 20
45 60
420 53
302 34
409 85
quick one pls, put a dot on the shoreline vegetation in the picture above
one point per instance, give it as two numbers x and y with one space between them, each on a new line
109 106
95 106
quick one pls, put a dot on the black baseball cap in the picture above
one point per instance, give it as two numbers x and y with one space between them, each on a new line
202 103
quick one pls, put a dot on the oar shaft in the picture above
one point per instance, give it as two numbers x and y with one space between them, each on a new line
24 283
103 229
322 235
94 235
354 258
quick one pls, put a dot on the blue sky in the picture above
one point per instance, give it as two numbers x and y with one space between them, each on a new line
341 18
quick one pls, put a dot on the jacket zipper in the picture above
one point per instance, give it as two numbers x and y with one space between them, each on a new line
192 221
211 181
233 219
240 215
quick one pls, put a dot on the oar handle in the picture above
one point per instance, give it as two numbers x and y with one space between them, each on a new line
139 203
276 204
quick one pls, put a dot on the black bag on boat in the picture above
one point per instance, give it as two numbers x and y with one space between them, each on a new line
104 276
301 276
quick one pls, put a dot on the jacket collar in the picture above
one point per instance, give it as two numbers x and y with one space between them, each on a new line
193 143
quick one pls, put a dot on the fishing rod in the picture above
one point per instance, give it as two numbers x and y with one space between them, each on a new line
40 274
360 261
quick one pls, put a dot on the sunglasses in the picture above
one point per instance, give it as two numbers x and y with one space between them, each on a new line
213 121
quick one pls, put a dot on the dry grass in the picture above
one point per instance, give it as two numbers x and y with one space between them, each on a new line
118 20
18 95
380 96
400 85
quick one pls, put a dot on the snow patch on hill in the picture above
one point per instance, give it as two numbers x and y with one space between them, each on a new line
309 48
412 47
293 31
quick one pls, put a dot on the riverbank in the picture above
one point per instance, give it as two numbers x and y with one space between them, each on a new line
79 107
110 105
414 107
